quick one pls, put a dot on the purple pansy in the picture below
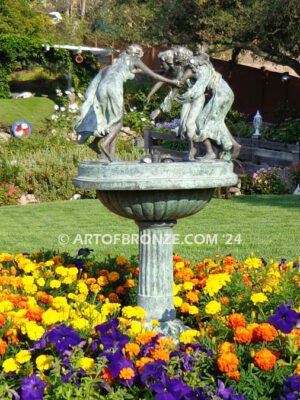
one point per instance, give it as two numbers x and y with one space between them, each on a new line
114 339
284 318
175 388
32 388
84 252
64 336
106 326
152 370
116 363
79 264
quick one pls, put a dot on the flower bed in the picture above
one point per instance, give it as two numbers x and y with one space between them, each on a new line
70 330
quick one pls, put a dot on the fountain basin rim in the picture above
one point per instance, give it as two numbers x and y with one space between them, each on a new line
156 176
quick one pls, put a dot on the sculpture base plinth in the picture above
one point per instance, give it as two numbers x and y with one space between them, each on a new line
171 328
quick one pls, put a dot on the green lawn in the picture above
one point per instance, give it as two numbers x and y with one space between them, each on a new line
34 110
268 225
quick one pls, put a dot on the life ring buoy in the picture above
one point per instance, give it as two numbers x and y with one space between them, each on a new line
21 129
79 59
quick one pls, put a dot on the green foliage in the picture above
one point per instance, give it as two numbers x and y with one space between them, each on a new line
294 172
238 124
268 181
4 87
285 132
8 195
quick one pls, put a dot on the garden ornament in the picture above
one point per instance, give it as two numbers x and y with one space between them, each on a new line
202 121
174 62
101 114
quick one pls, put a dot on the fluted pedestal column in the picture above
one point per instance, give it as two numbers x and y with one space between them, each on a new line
155 290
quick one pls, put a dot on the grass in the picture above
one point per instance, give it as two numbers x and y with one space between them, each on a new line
267 225
34 110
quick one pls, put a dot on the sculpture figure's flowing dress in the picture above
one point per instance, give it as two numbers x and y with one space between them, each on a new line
103 105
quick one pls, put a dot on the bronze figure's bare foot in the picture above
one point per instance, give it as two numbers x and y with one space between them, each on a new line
208 156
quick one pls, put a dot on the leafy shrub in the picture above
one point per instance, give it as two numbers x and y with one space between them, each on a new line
287 131
294 172
269 181
4 87
239 124
8 194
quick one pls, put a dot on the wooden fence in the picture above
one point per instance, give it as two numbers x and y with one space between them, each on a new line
254 151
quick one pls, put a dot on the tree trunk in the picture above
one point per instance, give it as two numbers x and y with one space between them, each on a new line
83 7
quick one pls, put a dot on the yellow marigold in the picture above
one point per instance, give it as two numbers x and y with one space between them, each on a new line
177 301
49 263
135 328
264 359
10 365
132 349
213 307
215 282
110 308
120 260
225 347
44 362
73 272
113 276
193 310
258 298
33 330
102 281
253 263
62 271
189 336
188 286
55 284
179 265
41 282
80 323
6 306
86 363
50 317
227 362
298 369
67 280
29 267
23 356
5 257
242 335
82 288
59 301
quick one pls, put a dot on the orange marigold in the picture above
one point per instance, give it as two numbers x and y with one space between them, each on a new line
298 369
129 283
192 297
106 375
120 290
176 258
2 321
242 335
225 300
184 308
235 320
145 337
229 260
265 332
234 375
264 359
160 354
142 362
225 347
132 349
228 362
113 298
126 373
3 346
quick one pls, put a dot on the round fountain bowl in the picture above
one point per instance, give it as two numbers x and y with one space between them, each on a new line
157 191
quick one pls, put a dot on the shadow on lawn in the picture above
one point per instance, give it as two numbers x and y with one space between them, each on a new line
285 201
